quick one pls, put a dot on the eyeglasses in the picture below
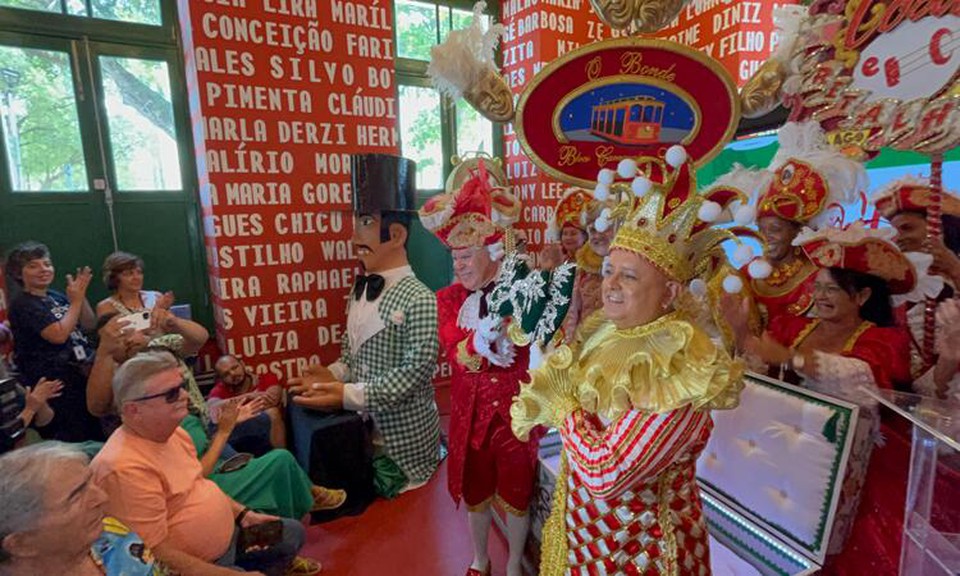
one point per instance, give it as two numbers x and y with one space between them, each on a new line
828 289
170 396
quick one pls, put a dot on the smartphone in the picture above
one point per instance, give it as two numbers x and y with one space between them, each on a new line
260 536
235 462
137 320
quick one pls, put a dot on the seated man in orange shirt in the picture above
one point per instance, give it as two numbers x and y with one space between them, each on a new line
155 484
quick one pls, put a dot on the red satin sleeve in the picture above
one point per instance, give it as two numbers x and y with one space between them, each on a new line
786 329
887 351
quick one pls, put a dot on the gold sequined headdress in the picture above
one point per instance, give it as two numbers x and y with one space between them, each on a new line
667 222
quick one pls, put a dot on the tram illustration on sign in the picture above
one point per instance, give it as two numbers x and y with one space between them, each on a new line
624 98
629 115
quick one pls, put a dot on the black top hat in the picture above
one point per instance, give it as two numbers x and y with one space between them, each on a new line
383 183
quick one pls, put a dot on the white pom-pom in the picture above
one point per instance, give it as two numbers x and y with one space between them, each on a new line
603 221
709 211
698 287
606 176
641 185
745 214
496 251
676 155
627 168
732 284
759 269
601 192
553 232
743 254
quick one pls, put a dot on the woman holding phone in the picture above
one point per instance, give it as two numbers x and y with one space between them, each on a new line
123 275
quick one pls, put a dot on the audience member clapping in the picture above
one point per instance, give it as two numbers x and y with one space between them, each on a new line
33 410
48 341
123 276
238 384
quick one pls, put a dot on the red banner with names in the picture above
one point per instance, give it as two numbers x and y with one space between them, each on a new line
281 93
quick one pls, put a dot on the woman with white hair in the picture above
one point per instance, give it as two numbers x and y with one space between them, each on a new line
53 519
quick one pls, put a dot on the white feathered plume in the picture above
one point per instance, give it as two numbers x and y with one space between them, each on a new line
462 59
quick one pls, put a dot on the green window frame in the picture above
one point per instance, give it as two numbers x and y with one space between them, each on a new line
413 72
162 223
430 260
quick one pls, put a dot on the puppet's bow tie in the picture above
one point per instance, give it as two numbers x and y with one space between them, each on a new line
372 283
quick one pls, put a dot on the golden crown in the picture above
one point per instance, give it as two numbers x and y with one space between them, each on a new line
663 217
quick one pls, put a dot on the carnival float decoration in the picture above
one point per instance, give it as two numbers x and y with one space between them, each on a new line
464 65
642 16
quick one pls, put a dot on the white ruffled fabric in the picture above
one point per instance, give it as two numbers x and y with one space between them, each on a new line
852 234
928 285
844 378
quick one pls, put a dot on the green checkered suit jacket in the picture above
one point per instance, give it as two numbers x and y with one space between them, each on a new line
397 365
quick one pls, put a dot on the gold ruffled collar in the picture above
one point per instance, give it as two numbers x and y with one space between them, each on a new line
588 260
661 366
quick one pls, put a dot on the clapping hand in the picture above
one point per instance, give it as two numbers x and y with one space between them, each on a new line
769 350
273 397
77 285
165 301
490 341
233 412
313 374
162 320
551 256
735 309
43 392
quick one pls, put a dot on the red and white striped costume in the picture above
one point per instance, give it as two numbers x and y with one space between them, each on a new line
633 506
633 410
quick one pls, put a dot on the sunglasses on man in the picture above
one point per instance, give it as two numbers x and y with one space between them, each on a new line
170 396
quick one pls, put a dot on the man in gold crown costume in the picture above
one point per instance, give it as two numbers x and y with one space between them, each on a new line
632 396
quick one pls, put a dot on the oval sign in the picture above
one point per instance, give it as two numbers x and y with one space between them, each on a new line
625 98
915 60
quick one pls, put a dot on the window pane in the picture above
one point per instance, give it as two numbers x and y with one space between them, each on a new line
141 11
142 133
45 5
458 19
420 134
416 29
77 8
41 131
474 132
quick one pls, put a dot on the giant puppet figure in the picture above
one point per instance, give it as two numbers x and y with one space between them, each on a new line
390 350
486 461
